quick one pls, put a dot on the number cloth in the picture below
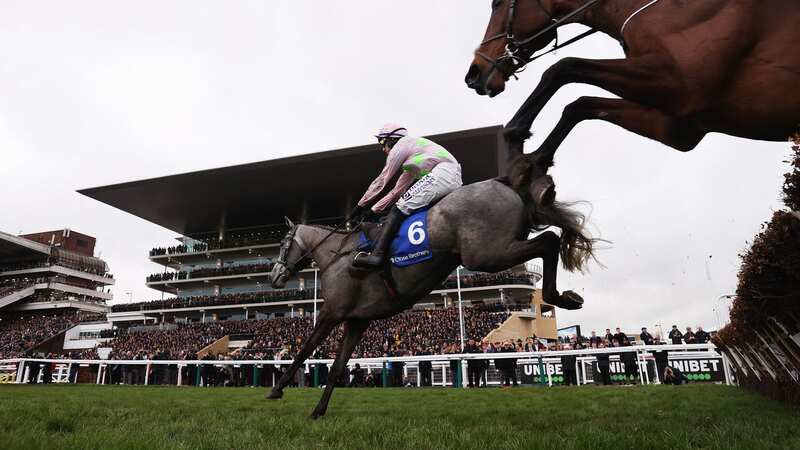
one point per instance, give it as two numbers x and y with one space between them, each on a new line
417 158
410 245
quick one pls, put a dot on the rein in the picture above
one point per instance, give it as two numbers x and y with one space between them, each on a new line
515 50
287 242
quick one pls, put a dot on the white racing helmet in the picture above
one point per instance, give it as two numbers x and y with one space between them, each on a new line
392 130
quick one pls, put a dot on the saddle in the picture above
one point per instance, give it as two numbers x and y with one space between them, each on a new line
372 229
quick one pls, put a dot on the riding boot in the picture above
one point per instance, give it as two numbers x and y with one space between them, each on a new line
378 255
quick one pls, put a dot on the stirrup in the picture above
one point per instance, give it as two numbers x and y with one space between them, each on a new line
361 264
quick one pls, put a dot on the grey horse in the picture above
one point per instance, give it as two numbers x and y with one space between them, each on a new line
483 226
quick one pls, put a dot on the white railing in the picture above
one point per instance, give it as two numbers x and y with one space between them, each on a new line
700 359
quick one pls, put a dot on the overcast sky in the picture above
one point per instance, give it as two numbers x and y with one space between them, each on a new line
96 93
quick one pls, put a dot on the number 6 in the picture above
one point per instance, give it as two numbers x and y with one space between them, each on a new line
416 235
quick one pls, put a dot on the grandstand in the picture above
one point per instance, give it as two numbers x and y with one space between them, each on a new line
213 283
49 283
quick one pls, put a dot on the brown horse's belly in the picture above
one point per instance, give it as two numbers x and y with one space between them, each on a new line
746 83
761 102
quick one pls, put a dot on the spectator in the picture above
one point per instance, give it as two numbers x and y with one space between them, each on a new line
701 337
509 366
675 336
629 361
608 336
662 360
603 365
689 336
474 366
621 337
646 337
672 375
568 367
357 376
425 368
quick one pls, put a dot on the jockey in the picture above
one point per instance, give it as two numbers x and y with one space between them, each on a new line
429 173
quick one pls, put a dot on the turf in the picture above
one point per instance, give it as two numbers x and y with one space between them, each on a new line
588 417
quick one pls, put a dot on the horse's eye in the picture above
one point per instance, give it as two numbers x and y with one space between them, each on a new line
496 4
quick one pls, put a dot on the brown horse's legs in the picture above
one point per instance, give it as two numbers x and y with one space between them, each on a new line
320 332
634 79
353 331
642 120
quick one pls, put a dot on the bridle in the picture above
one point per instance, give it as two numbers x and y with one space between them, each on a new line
286 244
517 51
291 269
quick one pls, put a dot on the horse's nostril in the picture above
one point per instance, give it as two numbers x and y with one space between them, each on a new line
473 75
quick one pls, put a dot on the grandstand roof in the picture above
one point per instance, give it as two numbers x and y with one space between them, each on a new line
308 188
15 247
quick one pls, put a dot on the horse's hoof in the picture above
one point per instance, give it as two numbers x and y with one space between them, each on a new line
567 300
316 415
275 395
570 300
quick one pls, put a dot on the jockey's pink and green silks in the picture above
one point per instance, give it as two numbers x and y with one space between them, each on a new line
416 157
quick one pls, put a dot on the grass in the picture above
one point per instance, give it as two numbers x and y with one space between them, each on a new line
586 418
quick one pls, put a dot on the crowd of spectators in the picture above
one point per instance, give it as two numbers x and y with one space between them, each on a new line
489 279
472 280
177 249
405 333
217 300
11 285
233 240
56 261
21 333
24 265
80 263
211 272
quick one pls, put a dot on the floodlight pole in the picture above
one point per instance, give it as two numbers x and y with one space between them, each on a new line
316 271
460 307
715 309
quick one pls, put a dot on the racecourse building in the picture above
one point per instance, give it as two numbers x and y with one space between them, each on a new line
49 283
51 271
229 222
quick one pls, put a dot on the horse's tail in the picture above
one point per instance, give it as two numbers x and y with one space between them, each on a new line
542 211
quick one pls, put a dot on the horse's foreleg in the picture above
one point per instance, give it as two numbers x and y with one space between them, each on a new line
353 331
320 332
634 79
642 120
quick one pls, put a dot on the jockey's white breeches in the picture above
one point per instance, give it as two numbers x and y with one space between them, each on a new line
443 179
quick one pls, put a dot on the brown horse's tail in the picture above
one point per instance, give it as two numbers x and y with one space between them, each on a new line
542 211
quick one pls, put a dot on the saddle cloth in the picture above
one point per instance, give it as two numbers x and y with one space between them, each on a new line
409 246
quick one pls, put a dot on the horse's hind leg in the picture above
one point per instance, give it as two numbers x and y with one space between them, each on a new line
354 329
320 332
642 120
641 79
552 245
546 246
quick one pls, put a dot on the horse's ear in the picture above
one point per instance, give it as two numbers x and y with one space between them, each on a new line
289 222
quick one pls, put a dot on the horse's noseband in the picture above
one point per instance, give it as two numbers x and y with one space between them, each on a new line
286 244
518 51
